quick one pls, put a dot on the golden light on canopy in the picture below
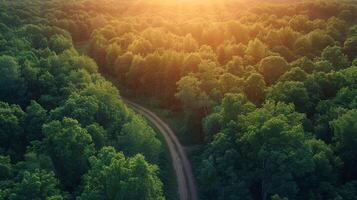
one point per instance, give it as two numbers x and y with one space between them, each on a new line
187 9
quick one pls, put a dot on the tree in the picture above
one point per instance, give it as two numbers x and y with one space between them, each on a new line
234 105
69 146
348 191
257 50
136 137
12 85
301 23
272 68
35 118
12 130
350 47
59 43
344 130
6 168
229 83
98 103
294 74
321 183
254 88
112 176
191 95
79 107
305 64
291 92
37 185
336 57
274 142
266 152
211 125
99 135
319 40
235 66
277 197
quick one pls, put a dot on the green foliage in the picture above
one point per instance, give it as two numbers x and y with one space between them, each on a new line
59 43
37 185
5 168
255 88
136 137
190 94
272 68
336 57
233 105
69 146
68 111
291 92
268 149
12 132
344 128
350 46
250 64
112 176
12 85
35 118
294 74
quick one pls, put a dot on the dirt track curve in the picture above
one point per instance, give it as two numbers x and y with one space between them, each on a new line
185 179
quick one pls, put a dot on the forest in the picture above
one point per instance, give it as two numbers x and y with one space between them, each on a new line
264 91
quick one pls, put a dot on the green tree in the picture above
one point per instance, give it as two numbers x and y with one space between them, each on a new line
6 168
12 85
266 152
191 95
234 105
12 130
59 43
35 118
98 134
344 129
273 139
36 185
348 191
272 68
350 47
256 50
305 64
69 146
294 74
254 88
291 92
336 57
112 176
137 136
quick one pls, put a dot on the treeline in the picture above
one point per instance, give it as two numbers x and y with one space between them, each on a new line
64 130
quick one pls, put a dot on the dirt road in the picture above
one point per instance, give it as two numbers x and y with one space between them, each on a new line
185 179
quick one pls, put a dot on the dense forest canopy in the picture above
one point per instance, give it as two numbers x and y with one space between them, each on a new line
267 88
64 130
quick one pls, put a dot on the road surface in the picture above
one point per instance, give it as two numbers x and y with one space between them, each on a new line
185 179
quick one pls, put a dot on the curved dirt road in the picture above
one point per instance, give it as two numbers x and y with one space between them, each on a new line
185 179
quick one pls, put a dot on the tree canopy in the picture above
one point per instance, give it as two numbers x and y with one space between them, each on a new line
266 90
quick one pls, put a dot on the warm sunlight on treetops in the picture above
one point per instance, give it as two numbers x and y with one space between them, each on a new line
178 99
